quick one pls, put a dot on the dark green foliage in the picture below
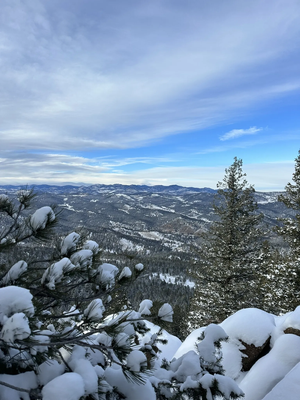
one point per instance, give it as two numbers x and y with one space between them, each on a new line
229 258
290 228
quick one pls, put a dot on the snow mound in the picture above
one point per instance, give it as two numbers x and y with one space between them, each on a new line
26 380
129 389
135 360
49 370
292 320
272 368
139 267
287 388
84 368
168 349
69 386
189 343
125 273
251 325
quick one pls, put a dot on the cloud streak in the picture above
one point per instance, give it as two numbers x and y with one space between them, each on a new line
235 133
23 169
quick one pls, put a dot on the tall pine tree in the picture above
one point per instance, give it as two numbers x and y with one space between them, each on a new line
229 257
290 232
290 229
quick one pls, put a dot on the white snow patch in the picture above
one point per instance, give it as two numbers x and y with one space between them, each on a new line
135 360
152 235
69 243
26 380
94 310
69 386
91 245
82 259
166 312
55 272
288 387
251 325
125 273
15 272
107 273
273 367
175 280
130 246
145 306
49 370
14 299
16 327
139 267
41 217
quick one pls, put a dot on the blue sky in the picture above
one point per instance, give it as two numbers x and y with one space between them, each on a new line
156 92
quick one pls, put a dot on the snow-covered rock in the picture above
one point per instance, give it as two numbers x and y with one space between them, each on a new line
272 368
251 325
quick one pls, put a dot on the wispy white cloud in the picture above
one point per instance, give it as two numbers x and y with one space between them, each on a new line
29 168
258 141
25 169
235 133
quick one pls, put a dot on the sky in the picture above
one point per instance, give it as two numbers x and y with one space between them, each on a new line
156 92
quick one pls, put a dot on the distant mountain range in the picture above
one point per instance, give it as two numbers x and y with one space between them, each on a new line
144 214
117 188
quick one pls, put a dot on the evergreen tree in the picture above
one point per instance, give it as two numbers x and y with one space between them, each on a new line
290 232
290 229
229 257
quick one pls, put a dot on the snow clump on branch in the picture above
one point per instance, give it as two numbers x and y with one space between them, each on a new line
41 217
